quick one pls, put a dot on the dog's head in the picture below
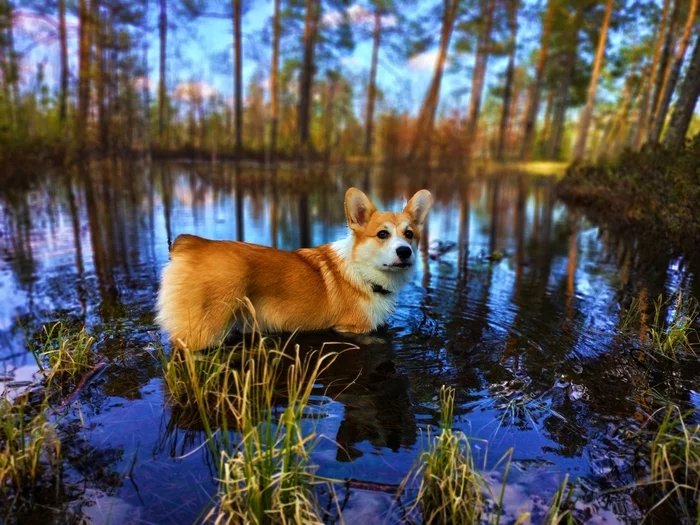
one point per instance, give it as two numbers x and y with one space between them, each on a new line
385 240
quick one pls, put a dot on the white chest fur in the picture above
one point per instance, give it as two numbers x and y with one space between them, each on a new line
364 274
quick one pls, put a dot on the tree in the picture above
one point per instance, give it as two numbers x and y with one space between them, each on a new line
63 94
480 62
426 117
646 94
533 99
564 82
372 84
685 106
238 73
671 79
587 114
274 78
306 78
84 46
510 74
162 93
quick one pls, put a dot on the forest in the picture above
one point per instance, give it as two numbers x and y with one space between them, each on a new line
567 80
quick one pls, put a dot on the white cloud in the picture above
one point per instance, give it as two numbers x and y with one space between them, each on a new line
424 61
356 15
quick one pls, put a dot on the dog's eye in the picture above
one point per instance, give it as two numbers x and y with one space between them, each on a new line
383 234
408 234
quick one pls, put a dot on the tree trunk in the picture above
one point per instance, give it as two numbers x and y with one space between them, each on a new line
426 117
562 97
313 13
85 44
664 66
533 99
685 105
646 94
586 116
548 115
674 73
163 32
372 87
274 80
100 74
510 74
8 61
145 87
63 94
238 75
480 64
611 142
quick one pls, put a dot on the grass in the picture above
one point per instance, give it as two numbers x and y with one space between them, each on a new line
674 462
64 353
562 503
29 446
451 489
669 337
261 390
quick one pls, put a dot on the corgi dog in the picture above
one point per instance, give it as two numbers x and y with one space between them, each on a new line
212 287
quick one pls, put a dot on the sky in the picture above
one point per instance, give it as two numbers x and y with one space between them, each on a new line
201 51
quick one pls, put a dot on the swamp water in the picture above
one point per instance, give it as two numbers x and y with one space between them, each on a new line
517 303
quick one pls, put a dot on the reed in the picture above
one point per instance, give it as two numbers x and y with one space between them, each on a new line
674 462
63 353
451 489
252 401
29 446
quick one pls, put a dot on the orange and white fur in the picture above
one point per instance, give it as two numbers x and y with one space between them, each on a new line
349 285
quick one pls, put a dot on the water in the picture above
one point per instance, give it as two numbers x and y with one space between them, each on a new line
530 340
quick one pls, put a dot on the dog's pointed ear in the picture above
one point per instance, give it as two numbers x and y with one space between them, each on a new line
358 209
417 208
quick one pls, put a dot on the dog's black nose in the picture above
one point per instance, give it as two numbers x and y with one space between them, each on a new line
404 252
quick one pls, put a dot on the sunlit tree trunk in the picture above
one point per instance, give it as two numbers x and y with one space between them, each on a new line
162 101
510 74
533 100
81 121
238 75
671 79
646 94
311 19
274 80
685 105
426 117
480 64
372 87
587 113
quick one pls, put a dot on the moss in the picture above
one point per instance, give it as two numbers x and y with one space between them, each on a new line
650 190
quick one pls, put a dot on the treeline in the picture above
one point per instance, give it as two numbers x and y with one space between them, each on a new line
578 94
